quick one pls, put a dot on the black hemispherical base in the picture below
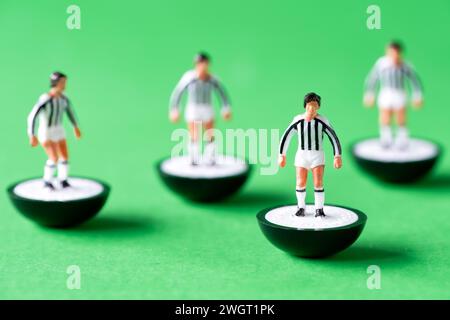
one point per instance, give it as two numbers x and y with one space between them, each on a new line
59 213
201 187
312 241
404 168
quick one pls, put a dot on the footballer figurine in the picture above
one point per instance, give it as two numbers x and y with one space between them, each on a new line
314 235
391 72
60 202
49 112
199 85
310 128
207 177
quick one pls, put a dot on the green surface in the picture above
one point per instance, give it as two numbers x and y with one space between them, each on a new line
147 243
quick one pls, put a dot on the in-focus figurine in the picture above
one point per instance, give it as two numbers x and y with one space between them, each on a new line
199 85
391 73
48 112
310 128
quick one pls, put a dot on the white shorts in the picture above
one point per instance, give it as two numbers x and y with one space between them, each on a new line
203 113
54 134
309 159
392 99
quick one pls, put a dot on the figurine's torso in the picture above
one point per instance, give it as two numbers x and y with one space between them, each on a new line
310 139
53 109
391 75
199 90
310 133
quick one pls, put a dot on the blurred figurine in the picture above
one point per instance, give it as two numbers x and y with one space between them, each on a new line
390 71
49 111
310 127
199 84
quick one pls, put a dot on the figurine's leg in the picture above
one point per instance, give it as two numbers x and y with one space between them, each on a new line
50 165
300 190
402 131
210 148
319 192
194 148
385 127
63 164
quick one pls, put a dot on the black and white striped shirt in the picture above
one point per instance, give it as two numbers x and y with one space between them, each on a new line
392 76
199 91
49 111
310 134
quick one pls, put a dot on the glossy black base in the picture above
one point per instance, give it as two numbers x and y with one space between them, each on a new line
309 243
59 214
203 189
396 172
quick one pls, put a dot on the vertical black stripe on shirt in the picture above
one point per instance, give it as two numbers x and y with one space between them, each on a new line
309 135
316 133
58 106
51 113
397 78
402 78
302 136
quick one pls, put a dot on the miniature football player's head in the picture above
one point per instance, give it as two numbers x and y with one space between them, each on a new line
201 63
394 51
311 103
58 81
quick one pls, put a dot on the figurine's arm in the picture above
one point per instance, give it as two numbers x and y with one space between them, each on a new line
71 114
285 141
72 118
177 93
371 85
226 109
337 149
415 83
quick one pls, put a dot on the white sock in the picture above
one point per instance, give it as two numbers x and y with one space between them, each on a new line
301 195
49 170
194 152
63 170
319 198
210 152
386 135
402 136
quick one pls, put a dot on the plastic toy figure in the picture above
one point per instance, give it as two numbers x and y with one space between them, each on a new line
310 127
199 84
49 111
63 202
391 71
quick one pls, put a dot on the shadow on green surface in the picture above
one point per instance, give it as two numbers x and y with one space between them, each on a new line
436 182
123 224
432 183
360 253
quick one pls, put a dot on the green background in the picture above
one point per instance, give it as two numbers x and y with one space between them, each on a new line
147 242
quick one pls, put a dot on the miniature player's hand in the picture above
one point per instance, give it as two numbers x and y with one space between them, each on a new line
226 115
337 162
34 141
174 115
369 100
282 160
77 132
418 103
